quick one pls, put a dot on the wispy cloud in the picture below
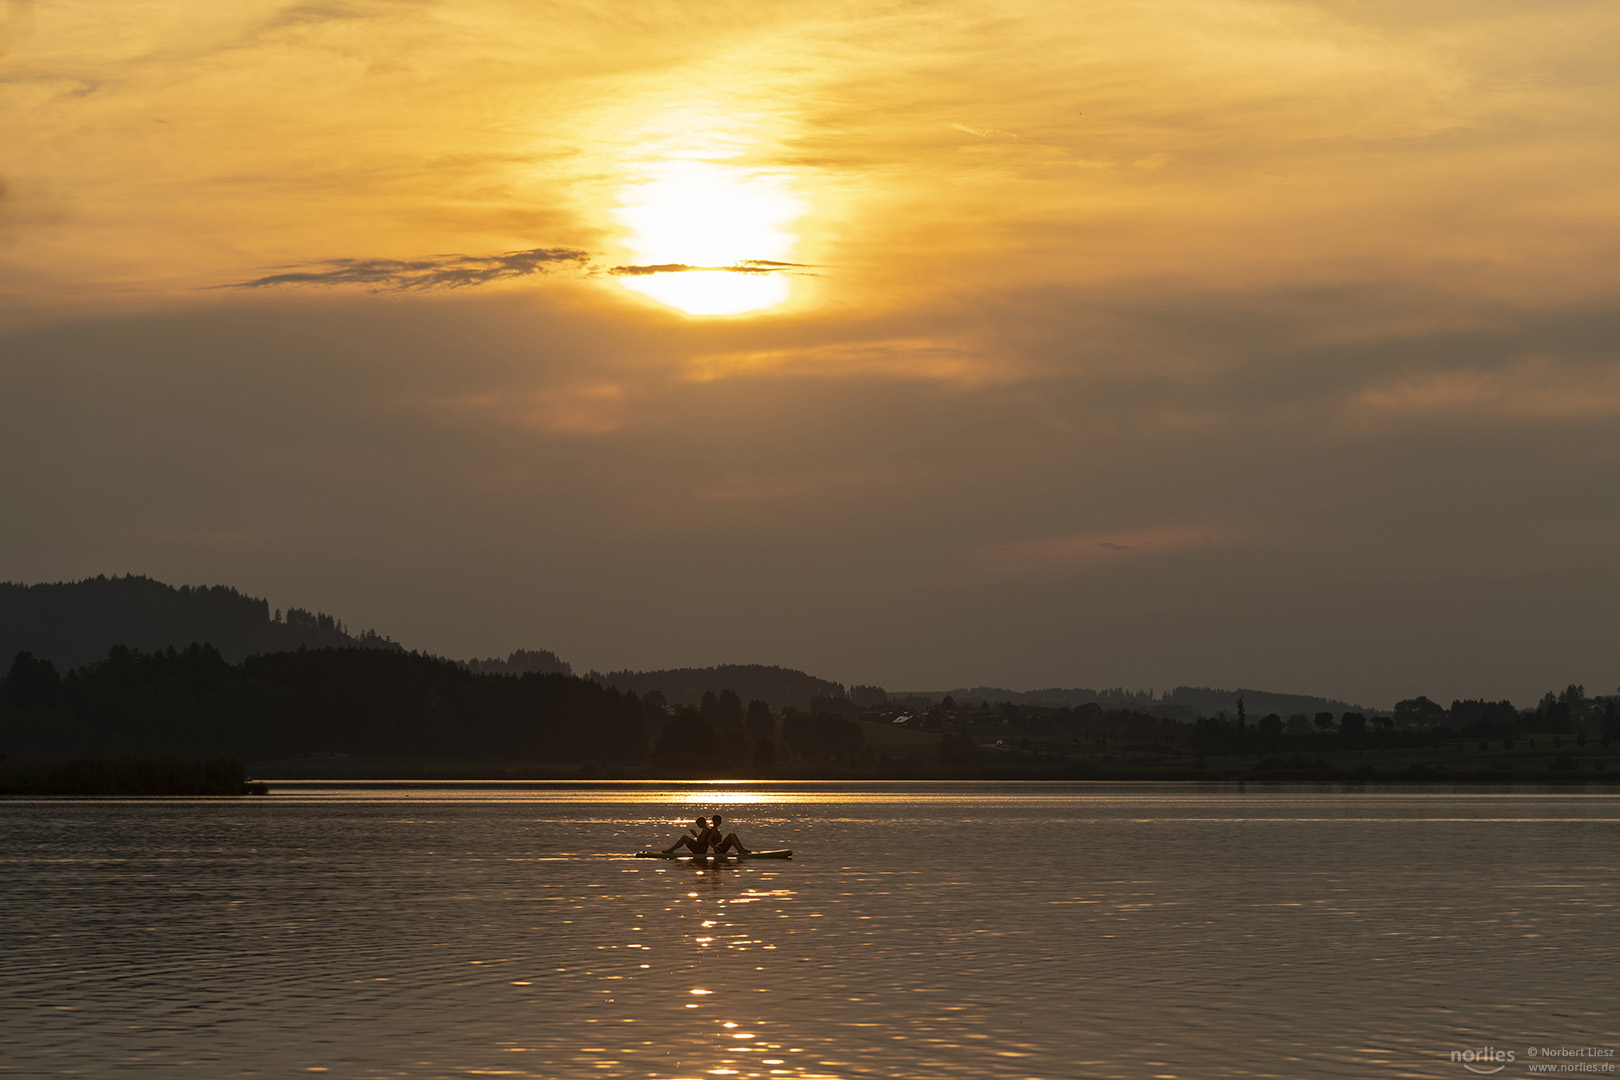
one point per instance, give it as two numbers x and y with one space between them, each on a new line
1076 549
744 266
1540 389
757 486
581 408
434 272
995 134
911 358
461 271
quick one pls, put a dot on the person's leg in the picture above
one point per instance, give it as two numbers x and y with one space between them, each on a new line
731 843
688 843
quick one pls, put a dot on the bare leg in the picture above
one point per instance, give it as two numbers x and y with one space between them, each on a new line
691 844
731 843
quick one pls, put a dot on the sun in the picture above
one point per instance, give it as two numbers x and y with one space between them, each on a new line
707 214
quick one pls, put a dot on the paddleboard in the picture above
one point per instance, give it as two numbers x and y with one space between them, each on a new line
785 853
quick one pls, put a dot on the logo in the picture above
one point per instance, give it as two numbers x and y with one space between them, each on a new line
1486 1061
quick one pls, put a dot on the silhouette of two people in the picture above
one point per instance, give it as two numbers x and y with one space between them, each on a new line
708 838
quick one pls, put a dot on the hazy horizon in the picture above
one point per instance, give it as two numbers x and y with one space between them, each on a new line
1263 344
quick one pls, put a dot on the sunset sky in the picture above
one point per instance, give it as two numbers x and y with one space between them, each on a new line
1268 344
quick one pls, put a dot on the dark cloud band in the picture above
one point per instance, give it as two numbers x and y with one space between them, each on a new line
460 271
438 272
743 266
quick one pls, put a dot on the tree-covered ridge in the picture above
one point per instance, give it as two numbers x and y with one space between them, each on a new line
523 661
194 702
360 703
780 687
75 623
324 702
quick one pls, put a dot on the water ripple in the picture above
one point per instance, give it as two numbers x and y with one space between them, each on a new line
1164 933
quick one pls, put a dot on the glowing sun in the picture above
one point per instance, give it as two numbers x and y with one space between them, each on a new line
706 215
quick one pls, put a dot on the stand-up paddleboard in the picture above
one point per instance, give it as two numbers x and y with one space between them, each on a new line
785 853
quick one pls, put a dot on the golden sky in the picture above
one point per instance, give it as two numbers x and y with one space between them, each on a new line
912 343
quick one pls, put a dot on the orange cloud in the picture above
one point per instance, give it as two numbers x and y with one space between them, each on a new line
577 409
905 358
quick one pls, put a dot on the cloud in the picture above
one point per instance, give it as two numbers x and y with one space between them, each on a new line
584 408
461 271
757 486
16 22
436 272
906 359
989 133
1531 389
1075 549
743 266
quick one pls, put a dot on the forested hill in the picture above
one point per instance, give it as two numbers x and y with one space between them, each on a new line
686 686
74 623
193 703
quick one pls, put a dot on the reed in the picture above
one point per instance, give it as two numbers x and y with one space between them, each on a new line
128 776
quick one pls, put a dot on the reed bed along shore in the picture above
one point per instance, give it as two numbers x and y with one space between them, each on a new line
128 776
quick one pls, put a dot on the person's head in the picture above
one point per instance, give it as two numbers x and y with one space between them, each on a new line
717 821
700 823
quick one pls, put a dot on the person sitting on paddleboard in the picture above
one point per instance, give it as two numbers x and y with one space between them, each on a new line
698 843
727 843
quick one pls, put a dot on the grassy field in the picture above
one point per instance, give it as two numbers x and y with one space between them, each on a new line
899 742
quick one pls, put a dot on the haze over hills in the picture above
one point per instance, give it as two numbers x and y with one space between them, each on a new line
778 686
75 623
301 697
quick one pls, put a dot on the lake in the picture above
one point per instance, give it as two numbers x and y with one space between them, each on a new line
921 930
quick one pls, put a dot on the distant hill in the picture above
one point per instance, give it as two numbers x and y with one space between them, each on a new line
192 703
74 623
523 662
686 686
1258 703
1182 703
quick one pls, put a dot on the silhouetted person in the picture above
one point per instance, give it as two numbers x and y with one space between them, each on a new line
727 843
703 836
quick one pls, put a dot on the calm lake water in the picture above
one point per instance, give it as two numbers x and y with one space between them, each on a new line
921 930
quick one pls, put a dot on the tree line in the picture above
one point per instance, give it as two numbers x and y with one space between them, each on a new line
194 703
75 623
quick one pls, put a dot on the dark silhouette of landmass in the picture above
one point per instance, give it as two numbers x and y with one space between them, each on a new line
1182 703
74 623
195 703
128 776
780 687
523 662
378 712
119 678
